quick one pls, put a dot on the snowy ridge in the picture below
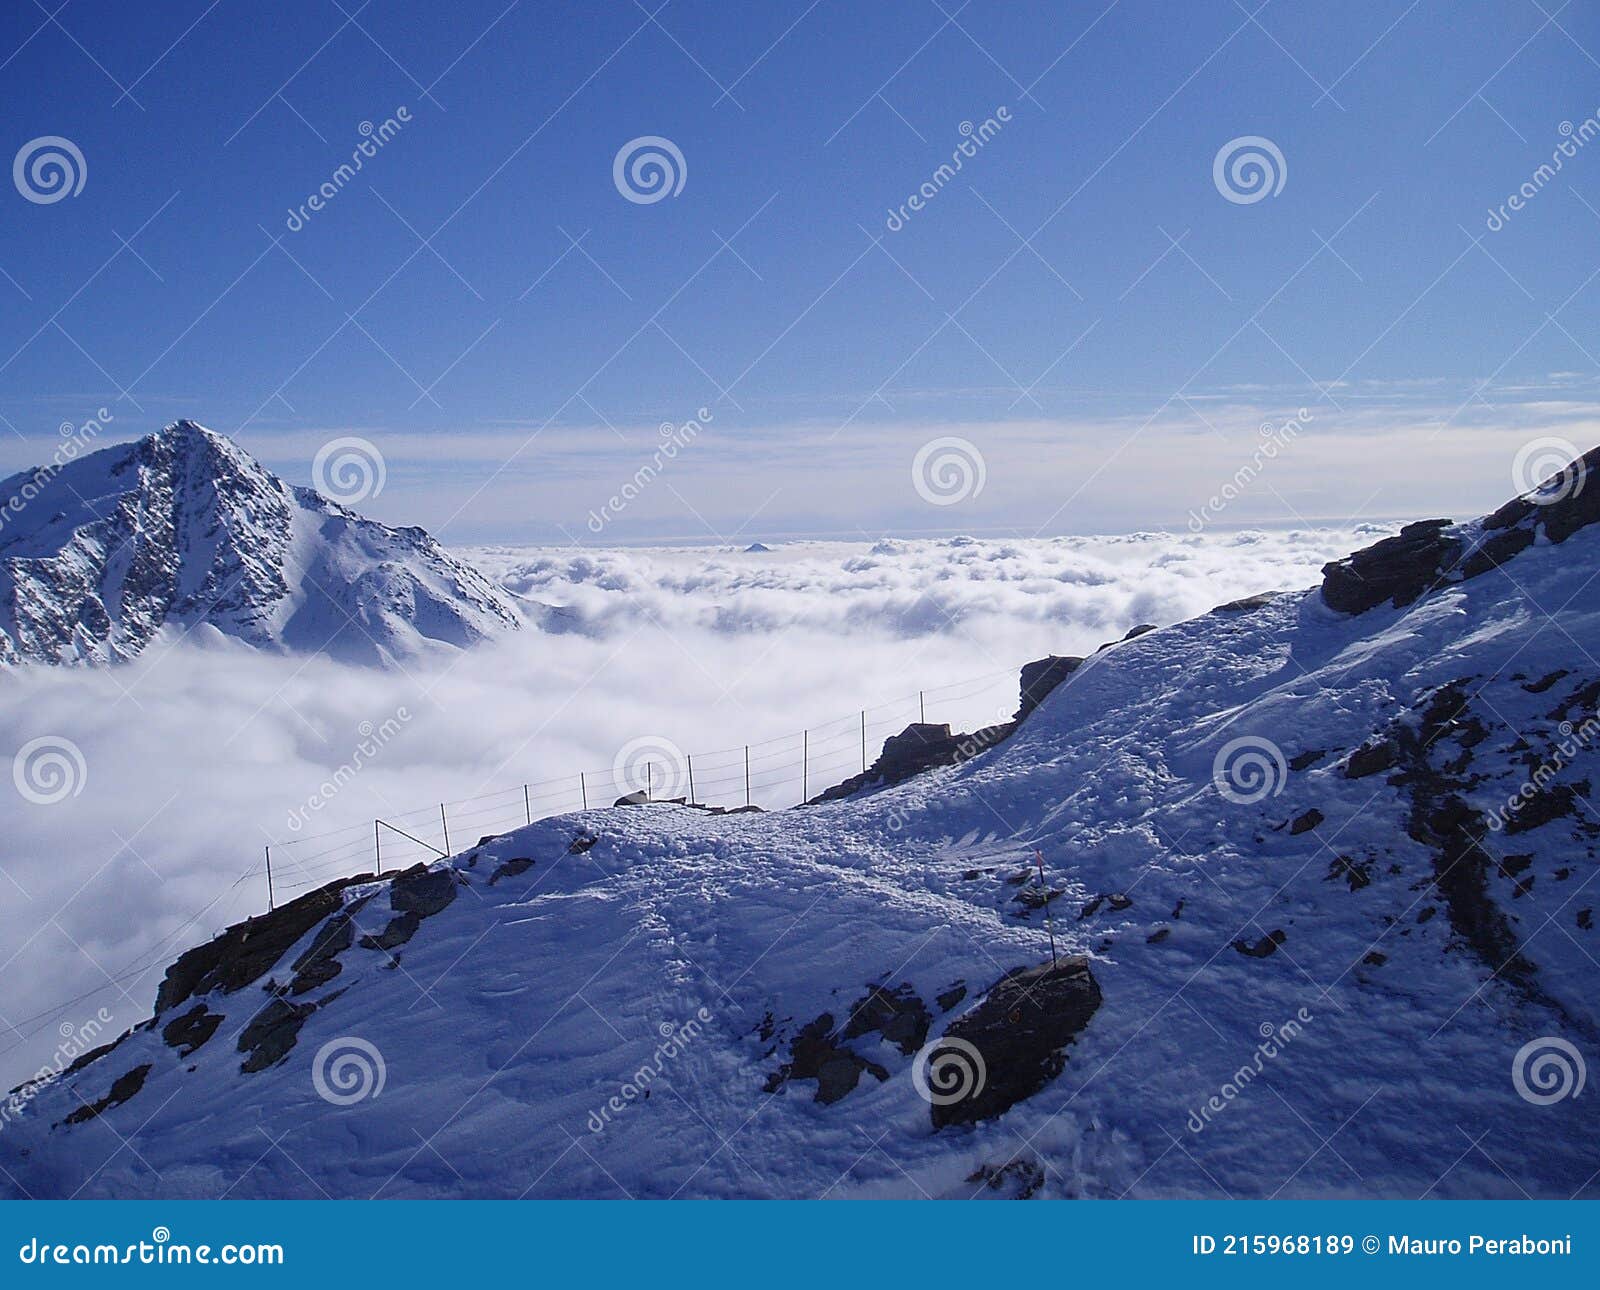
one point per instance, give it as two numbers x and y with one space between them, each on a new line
1317 982
184 529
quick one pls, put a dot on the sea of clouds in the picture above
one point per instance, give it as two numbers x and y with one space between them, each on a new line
200 753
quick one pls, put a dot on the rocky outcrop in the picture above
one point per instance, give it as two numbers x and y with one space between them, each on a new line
1019 1034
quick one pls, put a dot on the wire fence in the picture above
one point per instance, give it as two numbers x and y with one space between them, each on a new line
774 774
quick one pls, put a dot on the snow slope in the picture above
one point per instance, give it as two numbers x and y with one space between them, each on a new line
1317 982
184 529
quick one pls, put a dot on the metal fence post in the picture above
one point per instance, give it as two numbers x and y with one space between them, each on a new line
527 806
922 709
270 905
583 788
445 824
747 774
649 781
805 764
690 759
863 741
377 849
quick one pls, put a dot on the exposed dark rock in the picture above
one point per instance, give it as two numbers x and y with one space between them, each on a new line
1305 823
1266 946
640 798
1371 758
422 891
1247 605
580 844
1020 1032
1397 569
511 868
1586 919
399 929
898 1015
949 998
1309 758
246 951
319 964
1042 676
1375 958
193 1028
272 1033
1357 874
1015 1180
1545 682
814 1054
1159 935
123 1089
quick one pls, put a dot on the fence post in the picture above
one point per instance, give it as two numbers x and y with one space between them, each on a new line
649 781
377 848
527 806
445 824
805 765
922 709
689 757
584 789
747 774
863 741
270 905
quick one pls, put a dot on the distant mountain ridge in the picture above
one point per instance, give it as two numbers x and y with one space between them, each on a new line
185 528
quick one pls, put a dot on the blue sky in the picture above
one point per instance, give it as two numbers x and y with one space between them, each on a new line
1080 303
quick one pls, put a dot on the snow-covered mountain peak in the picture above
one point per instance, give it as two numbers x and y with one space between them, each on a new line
184 527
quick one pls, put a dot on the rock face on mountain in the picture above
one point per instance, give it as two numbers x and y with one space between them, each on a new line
185 529
1348 856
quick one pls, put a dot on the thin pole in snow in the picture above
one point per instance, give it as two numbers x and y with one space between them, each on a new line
690 760
1044 892
527 806
445 824
922 709
377 848
584 789
747 774
863 741
649 781
805 764
270 905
